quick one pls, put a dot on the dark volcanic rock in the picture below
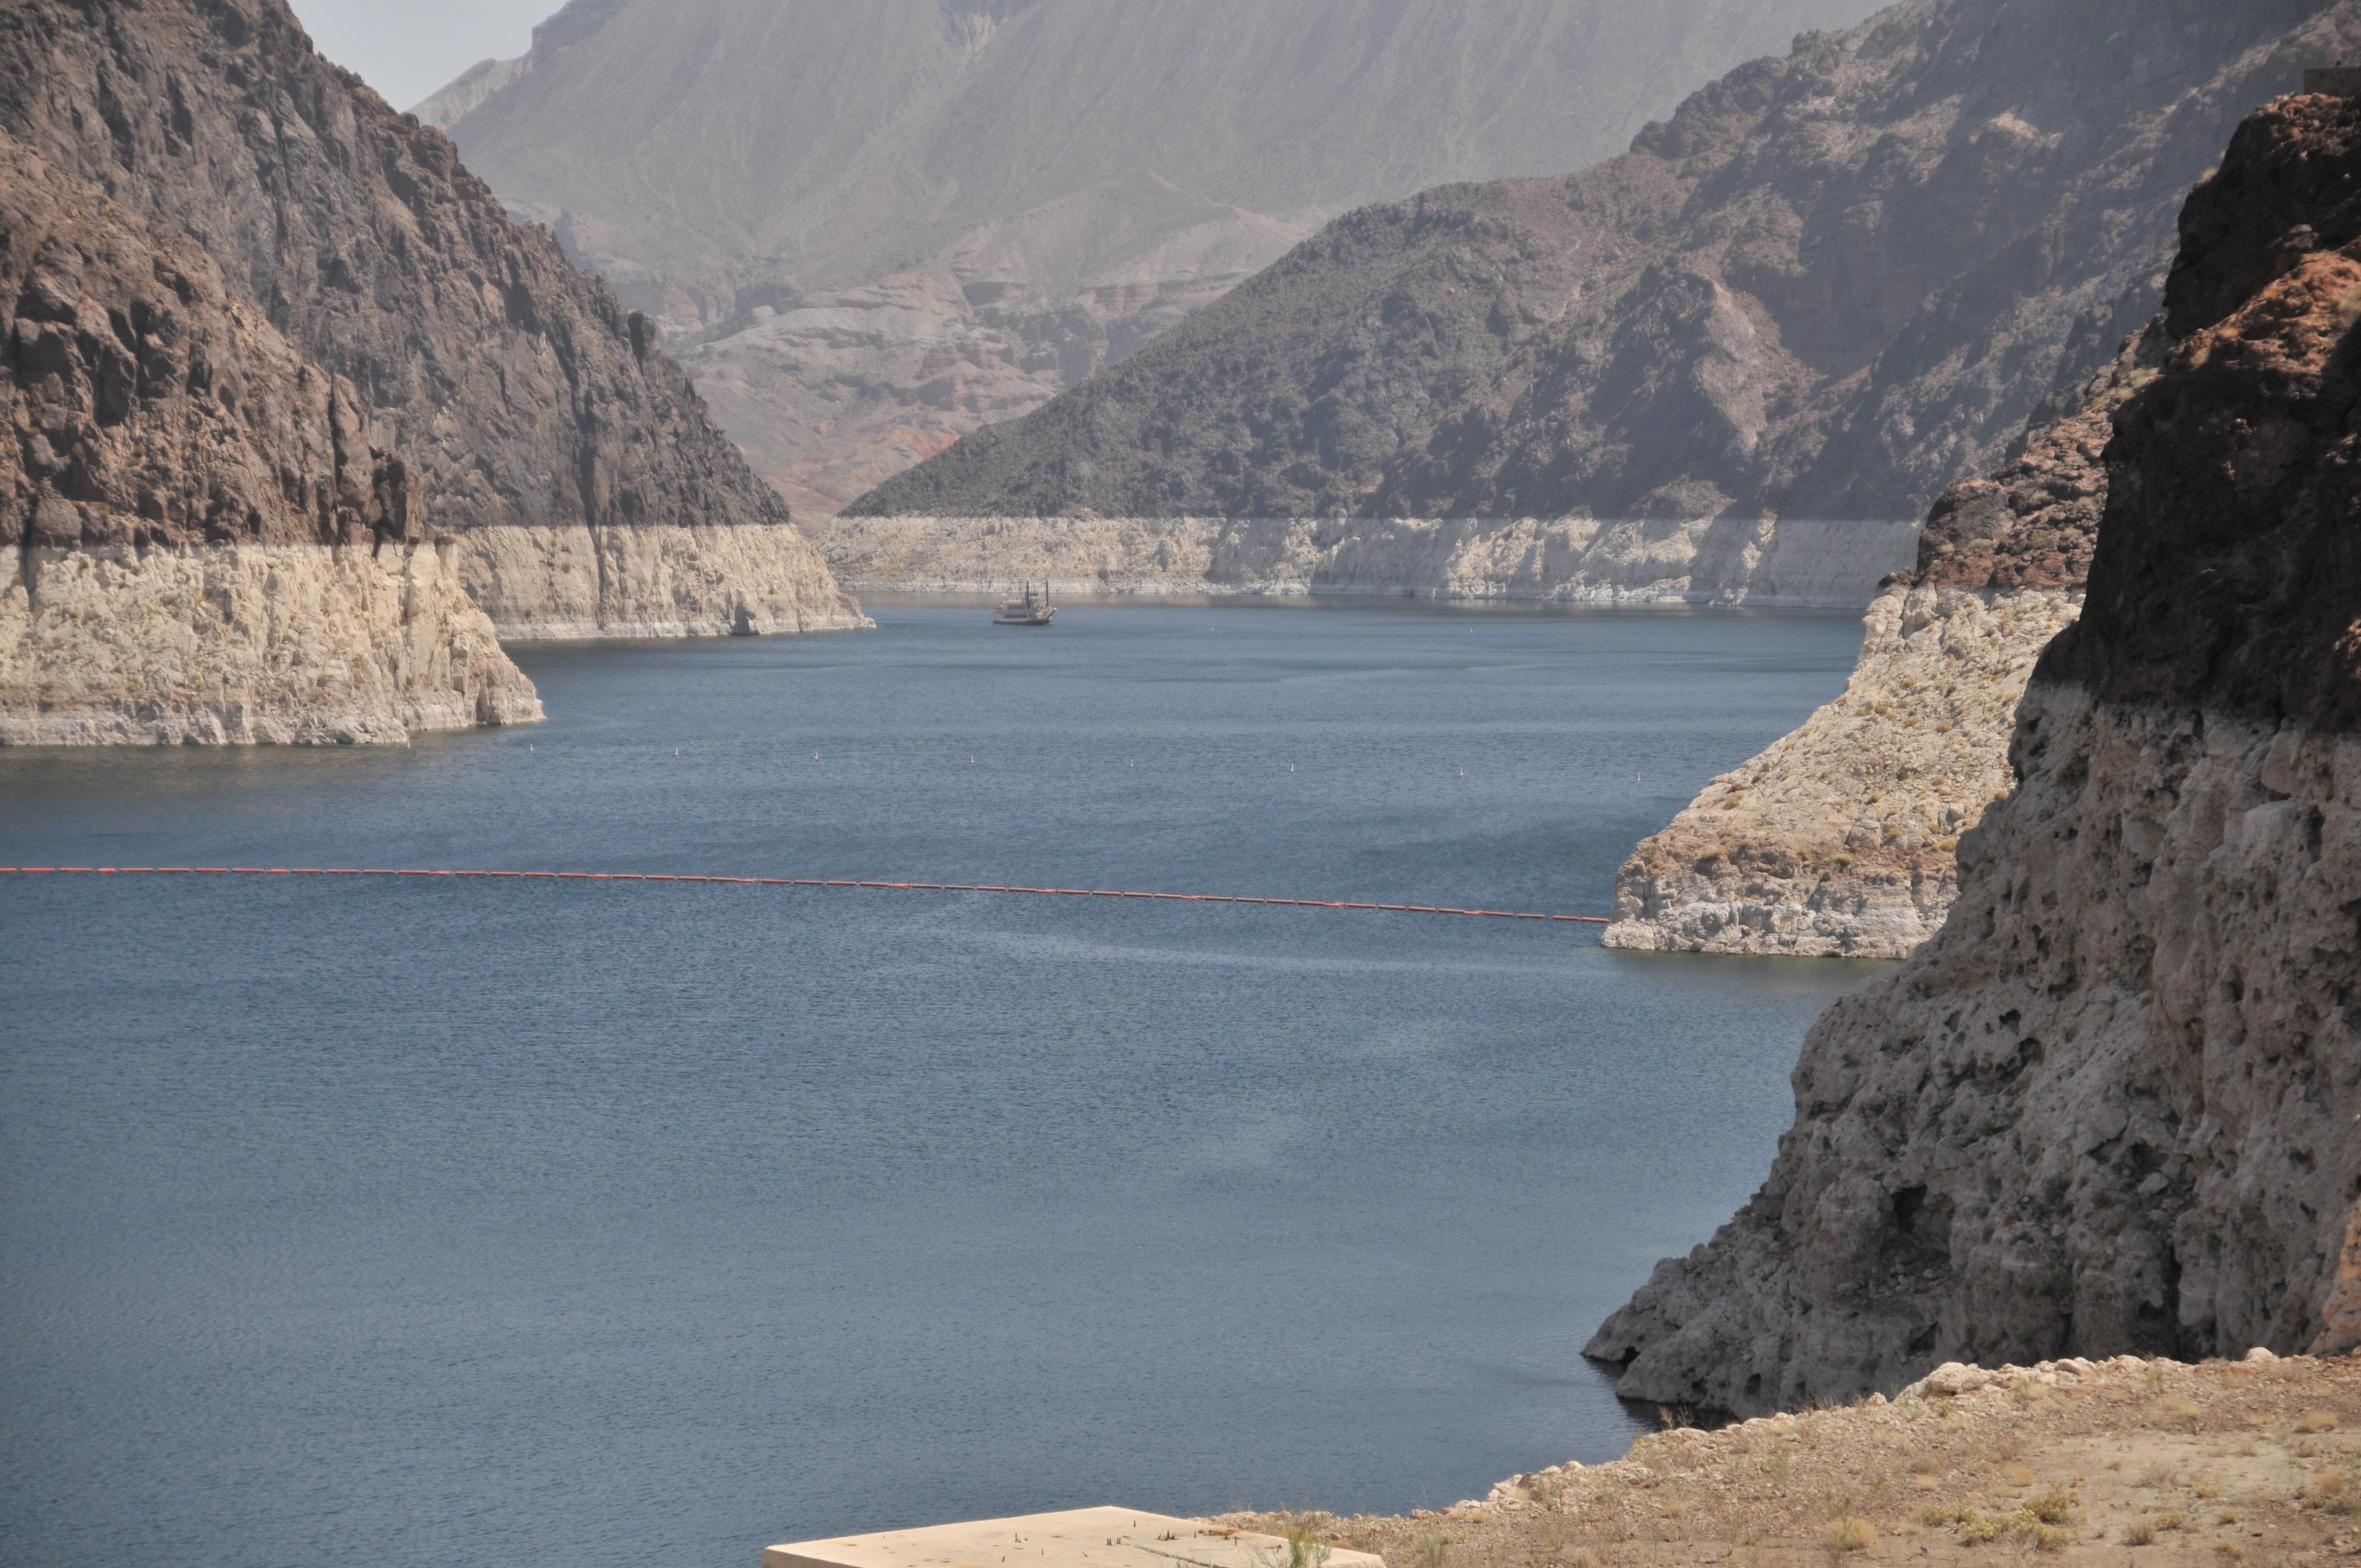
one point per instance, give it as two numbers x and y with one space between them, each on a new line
2110 1106
515 384
1828 286
2034 522
204 543
2229 573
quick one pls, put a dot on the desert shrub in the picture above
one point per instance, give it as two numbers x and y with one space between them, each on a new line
1850 1533
1305 1549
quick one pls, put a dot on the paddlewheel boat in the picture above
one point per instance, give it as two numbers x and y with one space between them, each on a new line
1031 609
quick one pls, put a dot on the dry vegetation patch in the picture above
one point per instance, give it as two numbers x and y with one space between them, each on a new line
2125 1461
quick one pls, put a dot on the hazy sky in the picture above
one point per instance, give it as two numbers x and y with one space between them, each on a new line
407 49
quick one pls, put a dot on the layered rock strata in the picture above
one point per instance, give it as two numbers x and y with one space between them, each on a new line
517 388
205 540
2110 1106
1838 839
1728 561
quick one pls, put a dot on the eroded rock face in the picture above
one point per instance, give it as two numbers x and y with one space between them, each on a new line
540 584
2110 1106
145 405
516 389
246 644
203 541
1838 839
1727 561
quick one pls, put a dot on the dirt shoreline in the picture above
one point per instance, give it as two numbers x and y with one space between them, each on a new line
2128 1461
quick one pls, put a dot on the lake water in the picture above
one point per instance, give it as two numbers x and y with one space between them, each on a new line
581 1223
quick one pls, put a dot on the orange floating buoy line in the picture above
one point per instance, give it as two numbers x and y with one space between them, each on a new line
803 881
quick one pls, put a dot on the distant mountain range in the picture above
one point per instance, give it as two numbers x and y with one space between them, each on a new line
1827 286
869 228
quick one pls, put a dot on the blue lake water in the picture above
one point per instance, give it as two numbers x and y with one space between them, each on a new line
585 1225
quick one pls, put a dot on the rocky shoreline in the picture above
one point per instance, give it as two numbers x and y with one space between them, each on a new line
1727 562
1839 840
246 644
295 423
2109 1107
655 580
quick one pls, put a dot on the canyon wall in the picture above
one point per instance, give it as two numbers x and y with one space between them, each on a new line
1838 839
1829 285
230 644
2109 1107
755 579
1723 561
204 538
871 226
517 388
284 385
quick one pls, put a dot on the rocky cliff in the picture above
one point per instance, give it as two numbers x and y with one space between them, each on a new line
518 391
871 226
205 539
1828 286
1838 839
2110 1105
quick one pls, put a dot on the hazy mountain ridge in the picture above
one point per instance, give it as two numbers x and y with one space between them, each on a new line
890 222
1829 285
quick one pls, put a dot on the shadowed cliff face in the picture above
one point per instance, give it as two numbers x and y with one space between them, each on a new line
516 388
2034 523
2229 575
2109 1107
1830 285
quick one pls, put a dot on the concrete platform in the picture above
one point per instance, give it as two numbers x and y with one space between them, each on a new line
1080 1538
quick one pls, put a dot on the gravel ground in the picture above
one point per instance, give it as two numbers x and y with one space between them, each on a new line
2124 1461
